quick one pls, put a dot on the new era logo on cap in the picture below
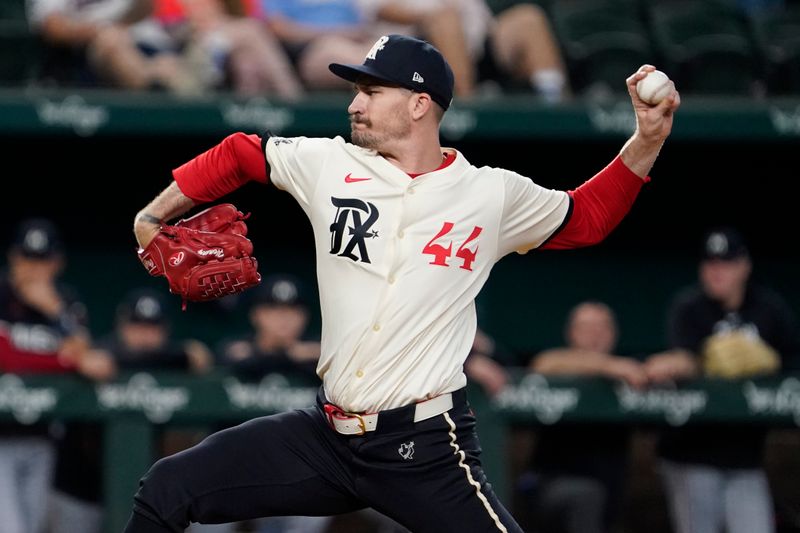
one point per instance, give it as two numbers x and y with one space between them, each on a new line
405 61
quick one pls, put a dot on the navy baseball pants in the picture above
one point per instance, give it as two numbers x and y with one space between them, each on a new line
426 475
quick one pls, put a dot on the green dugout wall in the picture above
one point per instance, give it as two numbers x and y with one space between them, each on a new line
134 407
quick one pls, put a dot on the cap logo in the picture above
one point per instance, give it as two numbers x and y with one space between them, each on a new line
717 244
36 240
148 308
377 47
417 78
284 291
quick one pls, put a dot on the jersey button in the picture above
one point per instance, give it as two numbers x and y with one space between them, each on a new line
359 373
400 234
391 280
376 327
410 191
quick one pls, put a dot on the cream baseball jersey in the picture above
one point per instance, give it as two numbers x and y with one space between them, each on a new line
401 260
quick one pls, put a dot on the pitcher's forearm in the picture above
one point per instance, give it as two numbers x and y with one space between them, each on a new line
170 203
639 154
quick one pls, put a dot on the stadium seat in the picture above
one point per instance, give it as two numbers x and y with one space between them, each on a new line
705 46
603 42
777 37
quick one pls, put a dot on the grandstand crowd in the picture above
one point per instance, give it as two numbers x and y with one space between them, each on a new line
554 49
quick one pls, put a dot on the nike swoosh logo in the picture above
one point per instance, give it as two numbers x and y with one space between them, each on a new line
348 179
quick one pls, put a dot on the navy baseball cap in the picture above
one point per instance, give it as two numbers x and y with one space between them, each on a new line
142 306
724 244
37 238
405 61
280 289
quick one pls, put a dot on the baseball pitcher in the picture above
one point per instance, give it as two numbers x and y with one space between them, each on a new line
413 230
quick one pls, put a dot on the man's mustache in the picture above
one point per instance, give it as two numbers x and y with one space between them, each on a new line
357 120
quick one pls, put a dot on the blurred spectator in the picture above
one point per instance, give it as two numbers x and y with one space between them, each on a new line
279 316
278 343
714 476
142 338
591 334
228 51
578 472
185 46
482 365
107 42
141 341
42 330
315 34
515 46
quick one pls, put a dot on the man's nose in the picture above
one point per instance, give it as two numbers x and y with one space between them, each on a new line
357 105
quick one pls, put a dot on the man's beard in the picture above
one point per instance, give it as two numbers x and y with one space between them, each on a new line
364 139
399 128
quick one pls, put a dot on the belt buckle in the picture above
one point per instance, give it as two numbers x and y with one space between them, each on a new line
334 411
361 424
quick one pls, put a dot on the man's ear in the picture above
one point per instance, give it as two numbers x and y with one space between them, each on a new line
421 104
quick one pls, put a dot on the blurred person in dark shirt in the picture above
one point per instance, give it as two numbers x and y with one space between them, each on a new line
141 341
713 475
279 341
42 330
577 475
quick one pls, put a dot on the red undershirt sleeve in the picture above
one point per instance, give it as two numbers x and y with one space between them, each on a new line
222 169
599 204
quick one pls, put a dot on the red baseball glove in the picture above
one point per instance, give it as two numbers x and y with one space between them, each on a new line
204 257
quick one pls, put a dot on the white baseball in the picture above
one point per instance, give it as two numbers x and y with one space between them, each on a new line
654 87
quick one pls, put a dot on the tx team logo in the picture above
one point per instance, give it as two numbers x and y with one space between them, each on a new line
348 226
406 450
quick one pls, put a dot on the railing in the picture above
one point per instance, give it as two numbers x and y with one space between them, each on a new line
93 112
134 405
